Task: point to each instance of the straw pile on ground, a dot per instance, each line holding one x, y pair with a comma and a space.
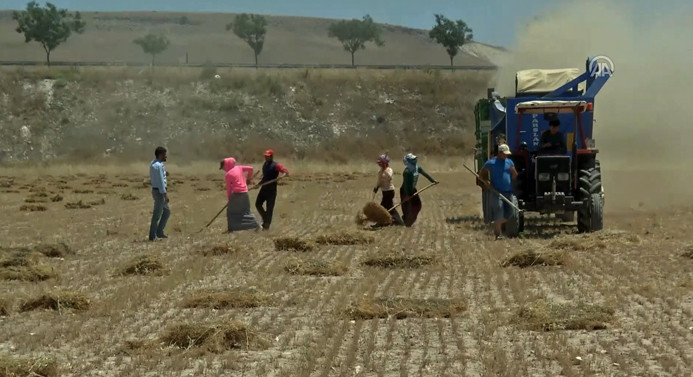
57, 301
214, 338
376, 213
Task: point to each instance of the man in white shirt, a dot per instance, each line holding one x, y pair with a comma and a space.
161, 212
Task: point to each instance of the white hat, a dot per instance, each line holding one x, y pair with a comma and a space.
504, 148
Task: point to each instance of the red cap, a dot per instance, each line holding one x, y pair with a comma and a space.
269, 152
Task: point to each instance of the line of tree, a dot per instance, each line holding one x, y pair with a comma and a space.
51, 26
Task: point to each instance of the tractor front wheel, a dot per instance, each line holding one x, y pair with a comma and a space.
590, 214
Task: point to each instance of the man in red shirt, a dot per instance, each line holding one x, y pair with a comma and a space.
271, 170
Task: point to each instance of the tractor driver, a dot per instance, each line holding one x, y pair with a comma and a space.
552, 141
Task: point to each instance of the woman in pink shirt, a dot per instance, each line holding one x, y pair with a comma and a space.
237, 178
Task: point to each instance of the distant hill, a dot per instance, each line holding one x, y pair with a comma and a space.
290, 40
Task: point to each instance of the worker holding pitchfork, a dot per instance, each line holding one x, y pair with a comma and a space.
502, 172
271, 172
388, 189
411, 203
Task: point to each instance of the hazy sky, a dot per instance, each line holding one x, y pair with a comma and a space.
493, 21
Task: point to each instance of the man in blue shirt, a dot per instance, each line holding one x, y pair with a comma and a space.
502, 176
161, 213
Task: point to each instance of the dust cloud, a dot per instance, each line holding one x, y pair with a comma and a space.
643, 114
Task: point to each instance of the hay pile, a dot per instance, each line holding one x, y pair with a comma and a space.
398, 259
376, 213
544, 316
401, 308
232, 298
143, 265
315, 267
345, 238
32, 208
57, 301
215, 338
77, 205
24, 267
13, 366
98, 202
57, 250
293, 243
529, 258
32, 199
597, 241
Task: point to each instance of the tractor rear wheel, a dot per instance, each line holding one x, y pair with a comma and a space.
590, 214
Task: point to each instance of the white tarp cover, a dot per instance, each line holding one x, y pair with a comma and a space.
541, 107
546, 80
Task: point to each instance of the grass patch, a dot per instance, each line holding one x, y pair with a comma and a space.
78, 191
529, 258
219, 249
401, 308
77, 205
227, 299
33, 208
24, 267
13, 366
214, 338
293, 244
315, 267
345, 238
397, 259
58, 301
5, 307
143, 265
56, 198
128, 196
544, 316
134, 347
688, 252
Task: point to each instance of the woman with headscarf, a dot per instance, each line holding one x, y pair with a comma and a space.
388, 189
237, 178
411, 205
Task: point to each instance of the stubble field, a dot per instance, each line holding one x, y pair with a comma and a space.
83, 294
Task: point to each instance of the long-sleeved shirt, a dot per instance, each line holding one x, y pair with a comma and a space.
385, 179
157, 175
410, 180
236, 178
556, 140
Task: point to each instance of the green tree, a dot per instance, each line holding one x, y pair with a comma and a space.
451, 34
49, 26
353, 34
252, 29
152, 44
